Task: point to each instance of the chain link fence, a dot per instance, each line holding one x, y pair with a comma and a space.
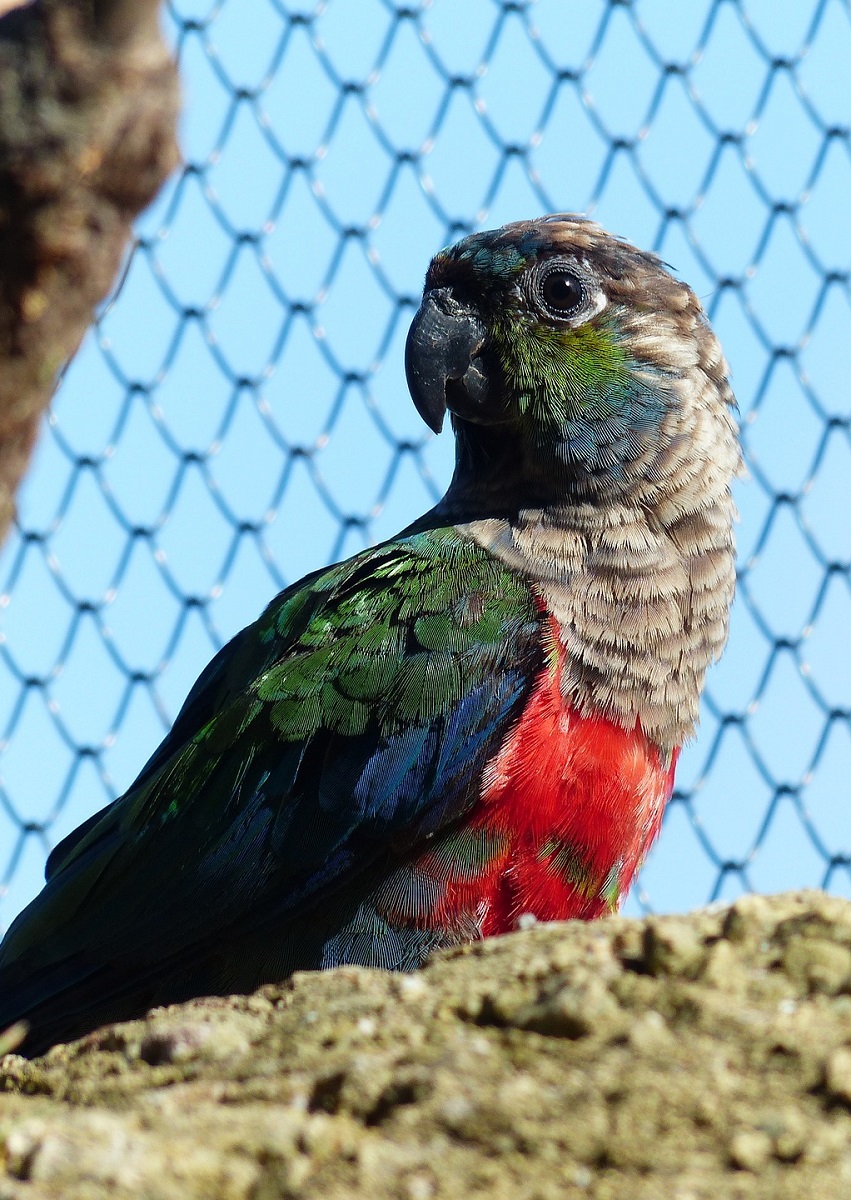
239, 416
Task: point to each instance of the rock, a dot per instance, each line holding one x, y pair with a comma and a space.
696, 1057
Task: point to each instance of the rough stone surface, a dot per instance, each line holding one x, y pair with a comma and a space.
704, 1056
88, 104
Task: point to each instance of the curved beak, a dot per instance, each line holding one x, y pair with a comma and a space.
443, 343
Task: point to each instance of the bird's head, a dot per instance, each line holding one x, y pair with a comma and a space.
574, 365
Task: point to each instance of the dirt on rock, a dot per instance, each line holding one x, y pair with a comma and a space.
689, 1057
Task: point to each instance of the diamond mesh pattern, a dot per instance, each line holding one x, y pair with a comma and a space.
239, 415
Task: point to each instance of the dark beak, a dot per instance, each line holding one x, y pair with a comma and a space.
442, 350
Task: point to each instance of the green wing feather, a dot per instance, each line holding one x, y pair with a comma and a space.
320, 747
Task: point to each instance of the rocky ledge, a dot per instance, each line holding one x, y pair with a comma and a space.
706, 1055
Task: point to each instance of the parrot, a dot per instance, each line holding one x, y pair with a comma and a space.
469, 726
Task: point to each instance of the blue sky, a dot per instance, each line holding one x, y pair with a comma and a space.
239, 416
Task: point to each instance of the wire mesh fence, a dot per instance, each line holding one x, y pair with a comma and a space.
238, 416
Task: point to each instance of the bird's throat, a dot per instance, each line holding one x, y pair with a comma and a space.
638, 612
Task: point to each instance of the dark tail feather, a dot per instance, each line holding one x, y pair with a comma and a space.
59, 1005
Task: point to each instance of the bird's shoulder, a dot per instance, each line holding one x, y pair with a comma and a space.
361, 642
374, 648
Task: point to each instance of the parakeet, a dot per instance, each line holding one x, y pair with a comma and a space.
476, 720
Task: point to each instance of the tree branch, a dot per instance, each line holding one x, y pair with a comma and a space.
88, 105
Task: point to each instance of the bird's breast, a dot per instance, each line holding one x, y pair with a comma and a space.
568, 808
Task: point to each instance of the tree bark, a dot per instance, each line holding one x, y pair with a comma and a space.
88, 107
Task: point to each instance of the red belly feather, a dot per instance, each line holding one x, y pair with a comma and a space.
578, 801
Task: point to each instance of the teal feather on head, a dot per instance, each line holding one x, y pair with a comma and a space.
562, 335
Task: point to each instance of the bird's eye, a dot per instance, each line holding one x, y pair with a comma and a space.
562, 292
